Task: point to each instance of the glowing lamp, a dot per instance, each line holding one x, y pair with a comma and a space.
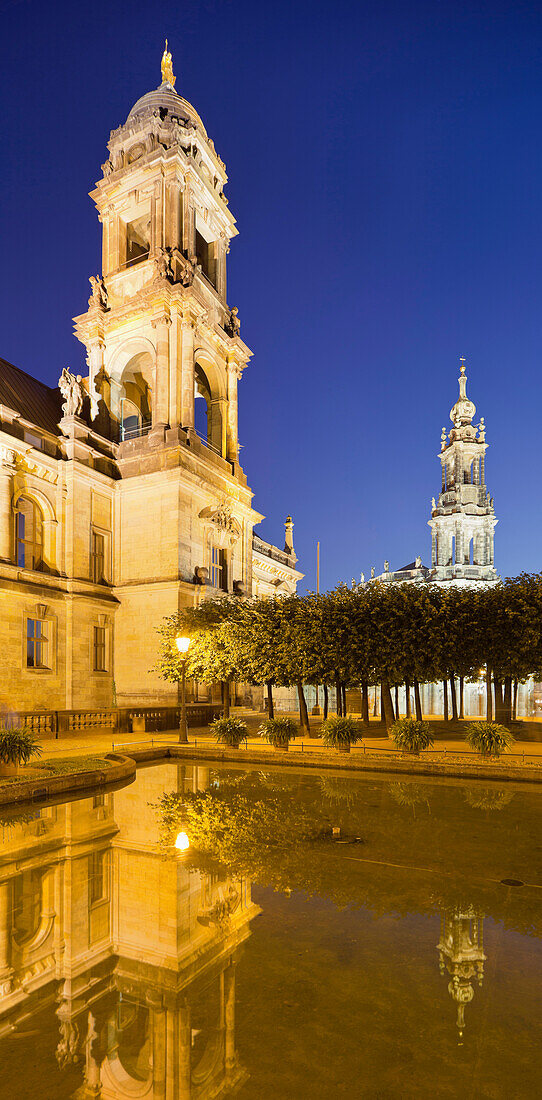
182, 842
182, 644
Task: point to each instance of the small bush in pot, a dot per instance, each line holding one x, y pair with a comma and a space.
490, 739
229, 731
279, 732
411, 735
17, 746
341, 733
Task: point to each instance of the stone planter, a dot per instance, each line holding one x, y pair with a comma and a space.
8, 770
344, 748
281, 747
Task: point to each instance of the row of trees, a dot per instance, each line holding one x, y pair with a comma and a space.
381, 633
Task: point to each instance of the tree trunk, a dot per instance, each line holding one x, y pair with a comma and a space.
499, 704
445, 691
489, 699
375, 704
418, 701
365, 702
461, 697
339, 698
387, 705
226, 697
407, 698
397, 700
507, 700
515, 702
270, 707
303, 712
453, 697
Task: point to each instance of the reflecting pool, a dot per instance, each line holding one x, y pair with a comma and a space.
319, 937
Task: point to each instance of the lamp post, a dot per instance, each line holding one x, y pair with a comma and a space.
182, 645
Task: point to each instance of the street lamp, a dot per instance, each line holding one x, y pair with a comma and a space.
182, 645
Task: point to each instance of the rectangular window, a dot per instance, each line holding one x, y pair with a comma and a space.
98, 867
205, 255
219, 568
98, 558
99, 662
37, 644
34, 440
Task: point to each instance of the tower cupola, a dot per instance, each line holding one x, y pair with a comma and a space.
463, 518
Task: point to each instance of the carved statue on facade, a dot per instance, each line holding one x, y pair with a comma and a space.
163, 264
433, 504
188, 270
66, 1052
233, 324
418, 562
372, 572
99, 296
70, 386
167, 68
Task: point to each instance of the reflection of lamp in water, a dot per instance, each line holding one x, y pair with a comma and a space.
182, 645
182, 842
461, 952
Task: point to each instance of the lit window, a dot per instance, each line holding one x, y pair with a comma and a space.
98, 558
219, 568
28, 535
37, 644
99, 649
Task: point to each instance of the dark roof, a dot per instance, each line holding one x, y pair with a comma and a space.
409, 568
35, 401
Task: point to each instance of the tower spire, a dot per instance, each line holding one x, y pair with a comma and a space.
167, 68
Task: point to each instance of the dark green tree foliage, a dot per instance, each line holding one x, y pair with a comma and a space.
379, 633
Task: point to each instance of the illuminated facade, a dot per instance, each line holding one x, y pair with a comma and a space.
122, 498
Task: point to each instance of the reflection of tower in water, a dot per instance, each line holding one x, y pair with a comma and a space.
461, 953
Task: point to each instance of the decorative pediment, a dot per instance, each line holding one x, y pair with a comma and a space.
220, 518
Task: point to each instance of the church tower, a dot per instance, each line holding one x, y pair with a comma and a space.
158, 331
463, 518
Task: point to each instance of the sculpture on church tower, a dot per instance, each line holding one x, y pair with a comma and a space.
463, 518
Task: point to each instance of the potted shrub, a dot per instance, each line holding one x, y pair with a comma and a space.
340, 733
17, 746
411, 735
490, 739
229, 731
279, 732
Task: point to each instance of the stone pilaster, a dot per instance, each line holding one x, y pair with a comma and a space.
7, 470
160, 396
232, 442
187, 374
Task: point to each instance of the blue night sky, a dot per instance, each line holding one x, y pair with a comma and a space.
385, 170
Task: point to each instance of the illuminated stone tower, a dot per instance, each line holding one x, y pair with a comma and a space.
463, 518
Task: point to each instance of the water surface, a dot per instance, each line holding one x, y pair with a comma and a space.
390, 961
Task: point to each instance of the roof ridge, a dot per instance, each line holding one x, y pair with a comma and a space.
6, 363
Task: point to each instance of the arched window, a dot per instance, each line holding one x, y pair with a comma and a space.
131, 420
28, 534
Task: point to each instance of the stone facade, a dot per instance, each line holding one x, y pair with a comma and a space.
126, 501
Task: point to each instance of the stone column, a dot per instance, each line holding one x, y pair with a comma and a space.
187, 374
7, 470
433, 547
160, 397
483, 470
159, 1053
185, 1051
232, 442
5, 931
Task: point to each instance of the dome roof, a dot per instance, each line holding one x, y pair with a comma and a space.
165, 98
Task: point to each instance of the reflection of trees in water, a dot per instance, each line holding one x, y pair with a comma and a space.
418, 853
488, 798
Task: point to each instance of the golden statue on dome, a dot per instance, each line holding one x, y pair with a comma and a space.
167, 68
